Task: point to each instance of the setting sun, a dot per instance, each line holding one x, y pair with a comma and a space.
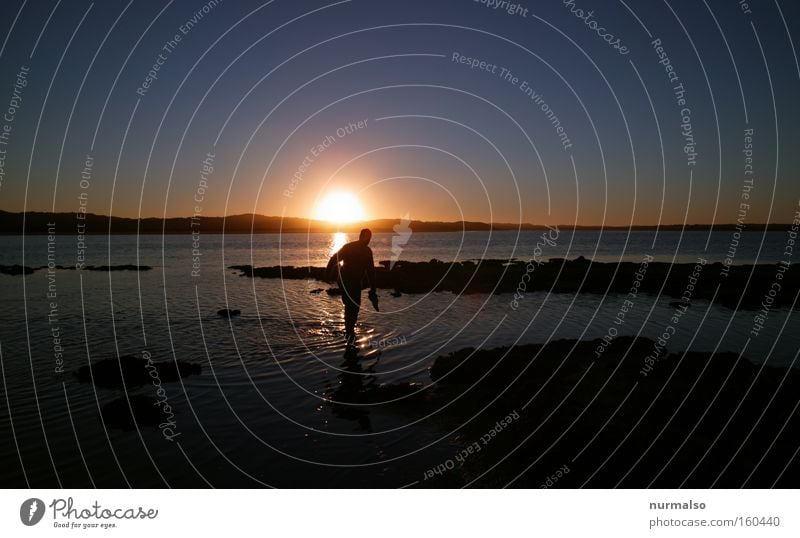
340, 207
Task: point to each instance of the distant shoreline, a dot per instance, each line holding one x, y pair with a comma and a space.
39, 223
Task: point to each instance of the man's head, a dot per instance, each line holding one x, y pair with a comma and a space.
365, 236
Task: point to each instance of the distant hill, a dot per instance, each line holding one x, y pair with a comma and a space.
37, 223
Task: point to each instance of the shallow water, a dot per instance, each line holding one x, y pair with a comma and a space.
261, 411
174, 252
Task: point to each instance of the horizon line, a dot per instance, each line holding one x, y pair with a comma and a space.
329, 224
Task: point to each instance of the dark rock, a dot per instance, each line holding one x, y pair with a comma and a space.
619, 420
24, 270
227, 313
109, 373
16, 270
744, 287
117, 414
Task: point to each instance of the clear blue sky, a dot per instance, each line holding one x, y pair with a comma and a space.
260, 84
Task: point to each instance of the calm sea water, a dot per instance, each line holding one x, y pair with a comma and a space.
260, 414
173, 252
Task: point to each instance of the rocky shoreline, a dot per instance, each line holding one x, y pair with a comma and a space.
695, 420
739, 286
14, 270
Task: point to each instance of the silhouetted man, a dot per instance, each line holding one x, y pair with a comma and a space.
350, 266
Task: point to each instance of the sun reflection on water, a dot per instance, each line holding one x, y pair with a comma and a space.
338, 240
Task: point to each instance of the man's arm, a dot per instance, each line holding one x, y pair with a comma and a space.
333, 265
371, 272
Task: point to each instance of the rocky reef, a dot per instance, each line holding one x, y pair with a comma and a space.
741, 286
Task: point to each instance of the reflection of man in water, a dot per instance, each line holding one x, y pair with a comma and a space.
350, 265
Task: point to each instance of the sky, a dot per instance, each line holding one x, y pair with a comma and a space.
635, 113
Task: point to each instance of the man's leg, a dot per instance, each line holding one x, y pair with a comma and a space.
350, 318
351, 297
